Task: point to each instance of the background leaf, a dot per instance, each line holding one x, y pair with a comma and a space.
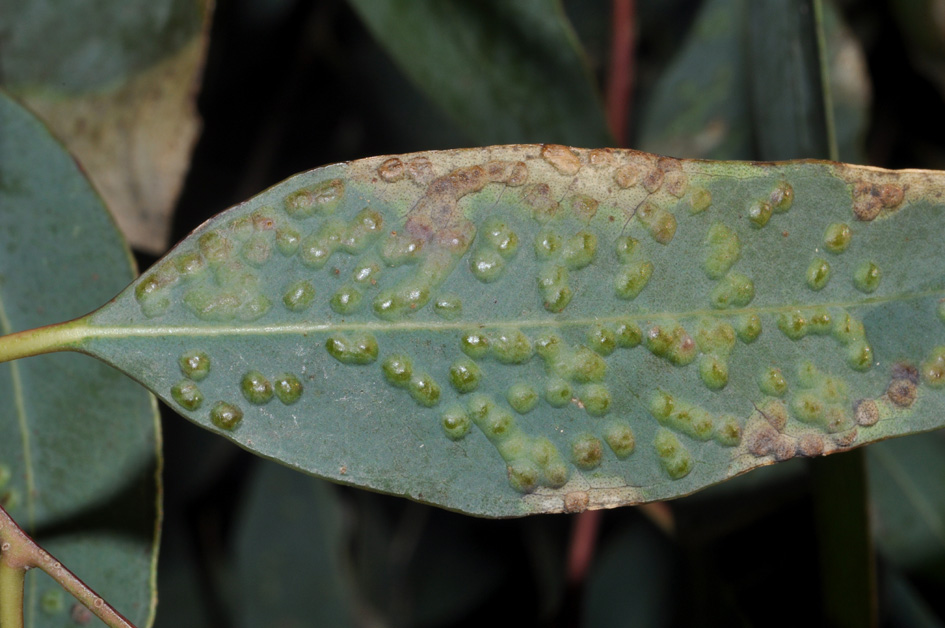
116, 81
79, 441
523, 74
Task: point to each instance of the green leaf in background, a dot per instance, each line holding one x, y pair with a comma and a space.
79, 442
526, 329
707, 103
522, 73
116, 81
290, 547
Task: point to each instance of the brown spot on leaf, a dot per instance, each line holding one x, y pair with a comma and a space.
538, 197
676, 183
600, 157
576, 501
891, 194
420, 169
628, 176
513, 173
653, 180
561, 158
391, 170
902, 392
846, 439
866, 412
810, 445
784, 448
583, 206
762, 440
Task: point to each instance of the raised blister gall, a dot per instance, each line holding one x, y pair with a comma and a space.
298, 295
486, 264
524, 475
287, 388
256, 388
287, 241
661, 405
511, 347
728, 432
194, 365
759, 213
596, 399
632, 278
465, 375
733, 290
448, 307
602, 339
674, 458
547, 244
699, 200
397, 369
226, 416
587, 452
713, 371
818, 274
475, 344
319, 198
628, 334
933, 369
346, 300
424, 390
619, 437
793, 324
455, 422
578, 251
860, 355
837, 237
357, 349
558, 392
781, 197
522, 397
362, 230
772, 382
187, 394
866, 277
722, 251
256, 250
748, 327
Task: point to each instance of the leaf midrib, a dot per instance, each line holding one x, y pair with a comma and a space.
121, 331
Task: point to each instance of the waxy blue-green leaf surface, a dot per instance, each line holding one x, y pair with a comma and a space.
525, 329
78, 440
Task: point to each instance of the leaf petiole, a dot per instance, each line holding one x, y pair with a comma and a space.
59, 337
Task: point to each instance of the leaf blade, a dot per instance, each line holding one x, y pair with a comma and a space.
378, 379
53, 266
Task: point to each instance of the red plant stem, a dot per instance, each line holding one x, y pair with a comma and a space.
581, 548
19, 551
621, 73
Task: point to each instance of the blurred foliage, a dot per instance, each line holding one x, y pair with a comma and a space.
290, 85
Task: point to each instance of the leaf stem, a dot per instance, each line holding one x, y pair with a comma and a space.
18, 552
58, 337
11, 593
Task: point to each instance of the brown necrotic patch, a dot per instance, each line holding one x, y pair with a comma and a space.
902, 390
561, 158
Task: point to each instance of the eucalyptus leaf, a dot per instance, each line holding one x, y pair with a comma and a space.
116, 81
79, 442
505, 71
523, 329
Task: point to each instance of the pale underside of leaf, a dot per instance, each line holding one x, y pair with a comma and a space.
535, 328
